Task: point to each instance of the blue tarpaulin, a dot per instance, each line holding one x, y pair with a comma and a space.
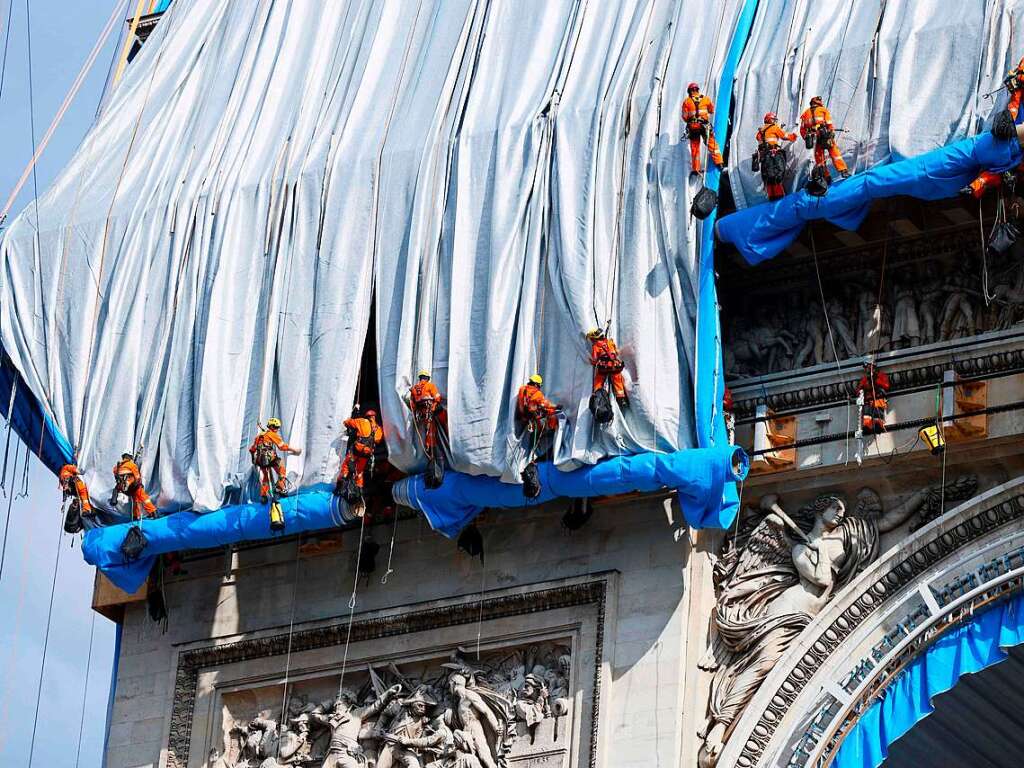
765, 230
699, 475
908, 699
29, 421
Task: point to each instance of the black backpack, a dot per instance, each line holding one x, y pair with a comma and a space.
1003, 126
471, 542
73, 518
434, 475
819, 182
577, 515
773, 168
531, 481
134, 544
601, 406
1004, 235
704, 202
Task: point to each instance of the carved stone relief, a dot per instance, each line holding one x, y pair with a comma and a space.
449, 712
778, 573
784, 328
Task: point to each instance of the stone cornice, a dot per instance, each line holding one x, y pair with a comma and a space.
191, 662
864, 598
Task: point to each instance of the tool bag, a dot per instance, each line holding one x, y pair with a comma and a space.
1003, 237
809, 140
704, 203
434, 475
819, 181
755, 161
73, 517
134, 544
531, 481
349, 490
825, 136
601, 406
1003, 126
774, 166
471, 542
578, 514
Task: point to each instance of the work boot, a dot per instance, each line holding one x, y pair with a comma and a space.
844, 173
281, 487
623, 402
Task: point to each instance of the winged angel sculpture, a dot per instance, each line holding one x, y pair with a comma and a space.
776, 576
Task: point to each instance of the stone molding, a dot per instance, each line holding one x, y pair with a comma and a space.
838, 392
468, 611
866, 596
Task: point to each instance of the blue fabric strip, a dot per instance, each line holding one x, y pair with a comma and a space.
699, 475
29, 421
763, 231
908, 699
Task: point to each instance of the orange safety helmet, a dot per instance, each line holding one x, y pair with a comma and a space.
816, 101
770, 117
68, 471
692, 87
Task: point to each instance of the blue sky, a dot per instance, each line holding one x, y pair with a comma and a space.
63, 33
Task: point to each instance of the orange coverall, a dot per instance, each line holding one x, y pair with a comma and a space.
368, 435
1015, 84
74, 488
769, 138
128, 481
425, 399
810, 121
273, 439
875, 390
697, 116
604, 356
535, 409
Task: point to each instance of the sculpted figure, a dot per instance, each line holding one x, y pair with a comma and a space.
531, 704
409, 737
812, 351
958, 311
484, 717
773, 582
345, 722
841, 332
906, 325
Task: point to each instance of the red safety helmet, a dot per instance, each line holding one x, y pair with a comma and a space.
770, 117
371, 414
816, 101
692, 87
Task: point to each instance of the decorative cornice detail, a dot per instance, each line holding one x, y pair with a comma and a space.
192, 662
872, 598
910, 378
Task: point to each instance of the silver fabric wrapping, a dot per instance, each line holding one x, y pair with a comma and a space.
502, 175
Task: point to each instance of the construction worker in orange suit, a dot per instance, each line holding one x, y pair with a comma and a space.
874, 385
265, 457
128, 480
697, 113
74, 488
537, 412
816, 121
1014, 82
608, 365
427, 406
364, 435
769, 143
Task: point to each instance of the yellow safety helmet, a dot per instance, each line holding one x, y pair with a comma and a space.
274, 423
595, 333
423, 373
536, 379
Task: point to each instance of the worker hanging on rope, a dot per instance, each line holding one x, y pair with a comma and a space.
128, 480
819, 133
770, 157
608, 367
430, 417
1002, 127
77, 495
539, 418
696, 113
872, 393
364, 435
267, 460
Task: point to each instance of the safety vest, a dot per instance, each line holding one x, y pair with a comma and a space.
698, 112
532, 403
424, 394
604, 355
367, 436
264, 448
773, 135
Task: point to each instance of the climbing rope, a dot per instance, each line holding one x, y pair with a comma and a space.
46, 644
821, 293
480, 616
352, 601
782, 74
7, 519
7, 444
85, 690
291, 634
7, 41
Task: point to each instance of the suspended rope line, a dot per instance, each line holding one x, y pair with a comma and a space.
46, 644
129, 40
31, 122
7, 41
821, 293
878, 300
37, 152
842, 48
352, 601
7, 444
85, 690
391, 551
782, 75
480, 616
7, 519
291, 634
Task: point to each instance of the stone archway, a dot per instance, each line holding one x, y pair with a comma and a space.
972, 553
